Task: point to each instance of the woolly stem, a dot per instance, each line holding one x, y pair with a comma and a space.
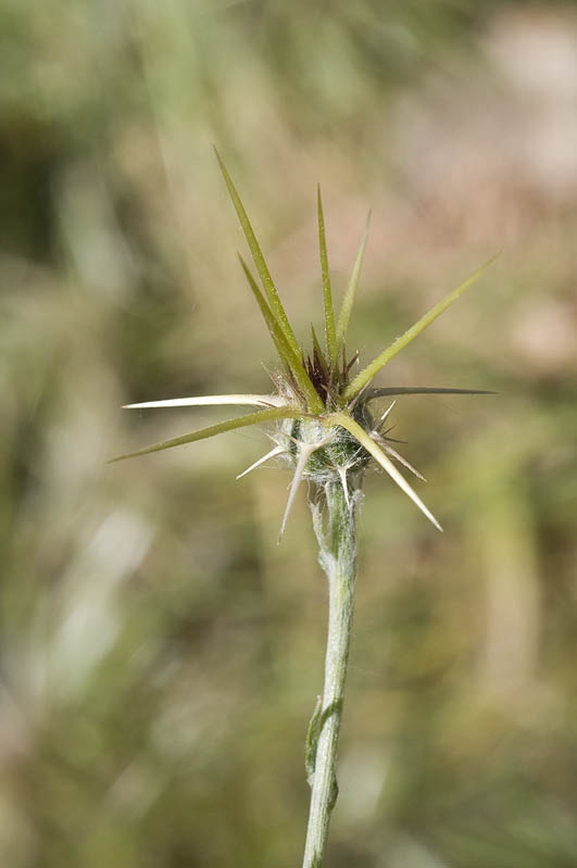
334, 524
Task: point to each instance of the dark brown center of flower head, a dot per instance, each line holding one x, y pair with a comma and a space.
329, 381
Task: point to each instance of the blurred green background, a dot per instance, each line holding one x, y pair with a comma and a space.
160, 654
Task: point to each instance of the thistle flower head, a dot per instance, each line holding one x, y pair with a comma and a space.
326, 427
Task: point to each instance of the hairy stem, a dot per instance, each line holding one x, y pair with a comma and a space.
334, 524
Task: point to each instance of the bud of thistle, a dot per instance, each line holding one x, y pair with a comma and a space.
326, 426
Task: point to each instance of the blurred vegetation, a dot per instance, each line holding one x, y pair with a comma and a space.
160, 655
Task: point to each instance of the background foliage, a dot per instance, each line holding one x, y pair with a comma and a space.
160, 655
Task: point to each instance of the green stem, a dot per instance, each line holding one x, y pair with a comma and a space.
338, 553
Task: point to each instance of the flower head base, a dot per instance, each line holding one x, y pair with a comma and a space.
325, 424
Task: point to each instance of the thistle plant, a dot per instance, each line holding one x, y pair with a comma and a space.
328, 428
